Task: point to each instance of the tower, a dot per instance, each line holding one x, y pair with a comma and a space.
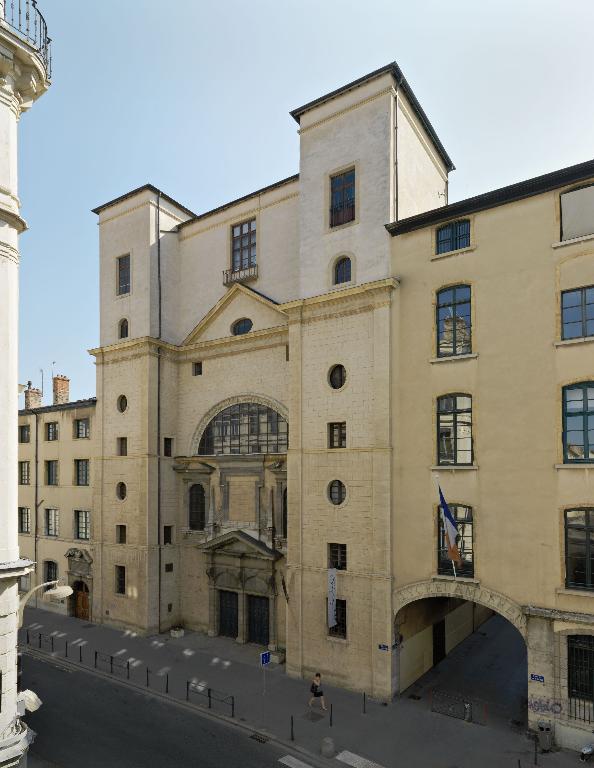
25, 71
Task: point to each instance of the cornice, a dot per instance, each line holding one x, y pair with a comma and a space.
385, 91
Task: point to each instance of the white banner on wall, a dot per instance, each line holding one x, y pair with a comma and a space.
331, 597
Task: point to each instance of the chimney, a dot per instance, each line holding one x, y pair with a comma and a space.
61, 389
32, 397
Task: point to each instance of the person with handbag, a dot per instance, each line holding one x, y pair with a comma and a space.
317, 692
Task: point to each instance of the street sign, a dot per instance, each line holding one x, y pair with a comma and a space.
537, 678
264, 658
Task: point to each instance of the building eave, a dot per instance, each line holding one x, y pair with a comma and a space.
138, 190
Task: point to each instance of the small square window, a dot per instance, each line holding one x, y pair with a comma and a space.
340, 628
120, 534
197, 368
337, 556
337, 434
168, 446
167, 534
169, 567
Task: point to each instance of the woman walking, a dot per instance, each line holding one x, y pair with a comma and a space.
317, 692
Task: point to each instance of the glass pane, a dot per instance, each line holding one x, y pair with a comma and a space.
464, 402
590, 396
572, 314
574, 399
576, 557
571, 299
572, 330
590, 295
590, 328
576, 516
445, 297
463, 293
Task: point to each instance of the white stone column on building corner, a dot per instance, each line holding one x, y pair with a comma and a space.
24, 76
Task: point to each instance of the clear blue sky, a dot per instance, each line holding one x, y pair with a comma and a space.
194, 97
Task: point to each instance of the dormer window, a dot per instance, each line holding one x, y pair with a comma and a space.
342, 198
453, 236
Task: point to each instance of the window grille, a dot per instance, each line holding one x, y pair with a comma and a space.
24, 520
51, 430
51, 472
580, 667
342, 271
24, 433
337, 492
120, 579
81, 428
52, 522
24, 473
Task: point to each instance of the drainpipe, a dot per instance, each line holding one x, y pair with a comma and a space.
37, 502
159, 305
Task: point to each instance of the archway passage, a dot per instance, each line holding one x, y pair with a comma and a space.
459, 656
80, 600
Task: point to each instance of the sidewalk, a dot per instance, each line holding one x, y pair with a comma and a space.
404, 733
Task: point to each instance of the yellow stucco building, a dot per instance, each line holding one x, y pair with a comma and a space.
280, 381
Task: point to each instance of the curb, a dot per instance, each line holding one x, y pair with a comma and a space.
290, 746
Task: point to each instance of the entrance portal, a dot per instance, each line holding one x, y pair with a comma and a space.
80, 599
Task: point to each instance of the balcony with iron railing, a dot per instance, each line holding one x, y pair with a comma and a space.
240, 275
24, 18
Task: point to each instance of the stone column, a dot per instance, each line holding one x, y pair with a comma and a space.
23, 78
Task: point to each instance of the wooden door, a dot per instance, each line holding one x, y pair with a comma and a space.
228, 613
258, 618
81, 604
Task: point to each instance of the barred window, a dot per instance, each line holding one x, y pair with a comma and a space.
82, 527
454, 429
52, 522
342, 198
24, 473
243, 429
453, 236
197, 511
337, 434
580, 667
24, 520
51, 472
81, 471
579, 548
51, 430
577, 309
337, 556
120, 579
243, 245
463, 517
453, 321
24, 433
81, 428
578, 423
123, 266
340, 628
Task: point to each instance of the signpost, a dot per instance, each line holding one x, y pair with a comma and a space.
264, 662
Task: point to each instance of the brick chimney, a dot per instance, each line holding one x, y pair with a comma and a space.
32, 397
61, 389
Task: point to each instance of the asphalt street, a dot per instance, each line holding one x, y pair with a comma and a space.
90, 722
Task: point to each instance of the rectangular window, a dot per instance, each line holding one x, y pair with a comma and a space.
580, 669
123, 275
340, 628
52, 522
122, 446
24, 520
454, 429
24, 433
51, 430
453, 236
463, 517
24, 474
120, 580
576, 212
51, 472
81, 428
579, 548
82, 524
337, 434
342, 198
167, 446
577, 310
197, 368
578, 423
453, 321
167, 534
169, 567
243, 245
50, 572
337, 556
81, 472
120, 534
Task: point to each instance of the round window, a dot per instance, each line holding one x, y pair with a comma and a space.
244, 325
337, 492
122, 403
121, 491
337, 376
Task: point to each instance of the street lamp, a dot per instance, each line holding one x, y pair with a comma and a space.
58, 590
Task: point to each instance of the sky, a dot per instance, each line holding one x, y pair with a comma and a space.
194, 96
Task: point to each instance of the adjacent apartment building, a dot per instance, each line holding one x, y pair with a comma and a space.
57, 452
281, 379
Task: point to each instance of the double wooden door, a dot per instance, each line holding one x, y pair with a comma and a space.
228, 613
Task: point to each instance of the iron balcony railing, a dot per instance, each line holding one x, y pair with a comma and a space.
25, 18
240, 275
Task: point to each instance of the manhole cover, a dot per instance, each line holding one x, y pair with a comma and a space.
259, 737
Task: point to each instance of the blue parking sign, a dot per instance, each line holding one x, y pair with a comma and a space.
264, 658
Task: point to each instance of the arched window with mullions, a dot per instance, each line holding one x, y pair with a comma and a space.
578, 423
197, 508
342, 271
245, 428
453, 321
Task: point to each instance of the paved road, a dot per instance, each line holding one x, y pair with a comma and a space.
86, 721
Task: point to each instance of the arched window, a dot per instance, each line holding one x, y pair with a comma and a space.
453, 321
242, 326
245, 428
123, 329
453, 236
342, 271
285, 516
454, 429
197, 510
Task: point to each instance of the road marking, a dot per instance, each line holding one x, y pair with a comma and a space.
292, 762
356, 760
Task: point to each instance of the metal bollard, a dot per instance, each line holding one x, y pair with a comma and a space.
167, 683
330, 715
65, 649
111, 665
364, 702
147, 677
232, 706
292, 730
209, 698
128, 670
95, 663
80, 653
187, 690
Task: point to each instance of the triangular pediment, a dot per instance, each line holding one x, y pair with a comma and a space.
239, 544
239, 302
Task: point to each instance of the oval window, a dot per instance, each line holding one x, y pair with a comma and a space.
242, 326
121, 491
337, 492
337, 376
122, 403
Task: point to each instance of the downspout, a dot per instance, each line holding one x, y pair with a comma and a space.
36, 532
159, 306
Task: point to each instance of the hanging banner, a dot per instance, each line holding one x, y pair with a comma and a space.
331, 597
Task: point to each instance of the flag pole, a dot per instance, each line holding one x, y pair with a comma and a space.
445, 530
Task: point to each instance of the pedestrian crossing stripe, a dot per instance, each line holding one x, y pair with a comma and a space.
292, 762
356, 760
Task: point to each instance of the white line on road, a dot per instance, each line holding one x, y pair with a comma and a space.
356, 760
292, 762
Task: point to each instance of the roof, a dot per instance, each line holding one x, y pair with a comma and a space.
237, 200
87, 403
143, 188
396, 73
501, 196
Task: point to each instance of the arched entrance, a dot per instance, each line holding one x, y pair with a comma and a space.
456, 641
80, 600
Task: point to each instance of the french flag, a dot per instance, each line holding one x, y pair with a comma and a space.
451, 530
